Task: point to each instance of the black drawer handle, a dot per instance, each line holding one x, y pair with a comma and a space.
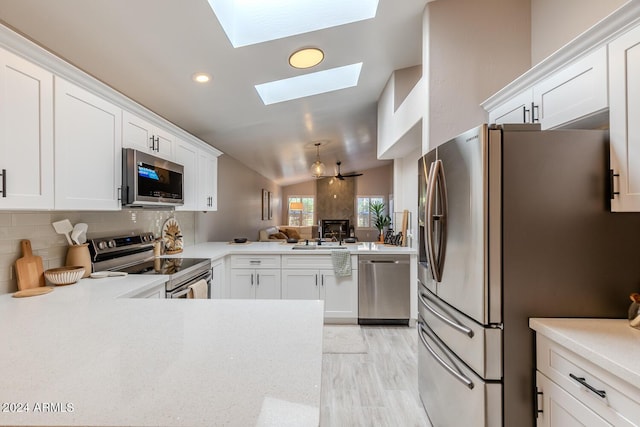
582, 380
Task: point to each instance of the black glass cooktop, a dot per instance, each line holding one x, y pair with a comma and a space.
163, 265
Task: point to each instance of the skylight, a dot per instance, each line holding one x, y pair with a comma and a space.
255, 21
309, 84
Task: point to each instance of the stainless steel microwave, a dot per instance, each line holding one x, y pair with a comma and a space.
149, 181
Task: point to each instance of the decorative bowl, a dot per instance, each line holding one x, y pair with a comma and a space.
64, 275
239, 240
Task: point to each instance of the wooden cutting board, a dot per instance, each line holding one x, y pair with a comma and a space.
29, 269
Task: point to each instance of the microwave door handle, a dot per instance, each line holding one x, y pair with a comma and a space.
429, 229
463, 379
442, 218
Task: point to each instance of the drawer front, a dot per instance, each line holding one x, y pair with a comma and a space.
255, 261
313, 261
478, 347
452, 394
610, 397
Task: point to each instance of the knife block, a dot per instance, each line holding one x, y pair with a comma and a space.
79, 255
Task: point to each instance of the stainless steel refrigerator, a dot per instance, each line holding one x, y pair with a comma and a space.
514, 223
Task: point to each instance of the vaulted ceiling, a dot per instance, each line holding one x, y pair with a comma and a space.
150, 49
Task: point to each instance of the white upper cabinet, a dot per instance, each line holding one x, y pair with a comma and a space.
143, 136
200, 177
208, 182
26, 134
188, 156
624, 117
573, 93
88, 150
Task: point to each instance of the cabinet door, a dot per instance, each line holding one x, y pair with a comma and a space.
560, 409
515, 110
217, 280
300, 284
88, 151
143, 136
340, 294
624, 130
242, 284
208, 182
26, 134
267, 284
188, 156
575, 92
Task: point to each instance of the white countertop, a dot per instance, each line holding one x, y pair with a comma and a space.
609, 343
147, 362
214, 250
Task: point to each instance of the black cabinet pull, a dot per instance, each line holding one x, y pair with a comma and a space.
583, 381
4, 183
612, 176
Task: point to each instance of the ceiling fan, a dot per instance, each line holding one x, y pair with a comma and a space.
347, 175
318, 168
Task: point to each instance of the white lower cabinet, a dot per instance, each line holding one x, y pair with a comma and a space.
217, 279
312, 277
560, 409
573, 391
247, 283
254, 277
157, 292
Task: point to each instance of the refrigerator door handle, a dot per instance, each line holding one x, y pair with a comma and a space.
463, 379
461, 328
435, 220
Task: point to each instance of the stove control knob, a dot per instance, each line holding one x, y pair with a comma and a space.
102, 244
111, 243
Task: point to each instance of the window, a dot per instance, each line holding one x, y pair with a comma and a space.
300, 210
364, 216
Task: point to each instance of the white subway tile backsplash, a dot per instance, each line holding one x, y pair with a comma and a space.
52, 247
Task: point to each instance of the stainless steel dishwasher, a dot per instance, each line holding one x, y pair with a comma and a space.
383, 289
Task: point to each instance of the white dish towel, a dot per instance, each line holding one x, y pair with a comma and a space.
341, 263
198, 290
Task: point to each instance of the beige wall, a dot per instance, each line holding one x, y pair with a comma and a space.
239, 211
471, 49
373, 182
556, 22
52, 247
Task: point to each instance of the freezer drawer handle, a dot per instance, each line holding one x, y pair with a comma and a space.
583, 381
466, 381
461, 328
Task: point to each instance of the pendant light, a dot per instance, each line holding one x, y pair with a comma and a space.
317, 168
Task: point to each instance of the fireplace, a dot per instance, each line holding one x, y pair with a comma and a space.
335, 228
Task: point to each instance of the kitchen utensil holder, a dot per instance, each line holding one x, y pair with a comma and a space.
79, 255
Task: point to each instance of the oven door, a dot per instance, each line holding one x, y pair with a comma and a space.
452, 394
182, 290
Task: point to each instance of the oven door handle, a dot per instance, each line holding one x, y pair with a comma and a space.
181, 293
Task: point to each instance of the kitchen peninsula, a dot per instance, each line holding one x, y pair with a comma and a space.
86, 354
278, 270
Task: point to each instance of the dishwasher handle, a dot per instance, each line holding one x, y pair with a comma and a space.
383, 261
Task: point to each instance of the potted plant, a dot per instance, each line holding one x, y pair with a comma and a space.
380, 219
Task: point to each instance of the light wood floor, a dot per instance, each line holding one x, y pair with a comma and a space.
374, 389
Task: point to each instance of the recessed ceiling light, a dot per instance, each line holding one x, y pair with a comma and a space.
306, 58
201, 77
309, 84
249, 22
